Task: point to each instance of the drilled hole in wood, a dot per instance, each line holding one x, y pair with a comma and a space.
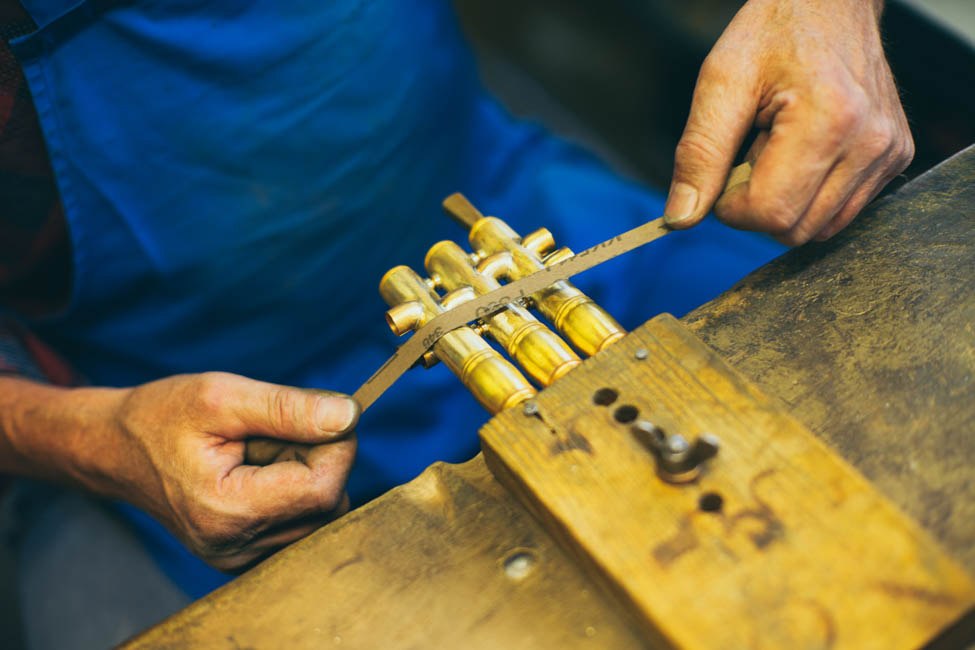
519, 564
626, 413
605, 396
711, 502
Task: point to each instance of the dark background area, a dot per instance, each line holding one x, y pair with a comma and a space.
617, 75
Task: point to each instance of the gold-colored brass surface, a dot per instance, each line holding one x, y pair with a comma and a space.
587, 326
539, 351
493, 381
498, 252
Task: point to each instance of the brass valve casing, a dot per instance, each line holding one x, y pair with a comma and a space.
493, 381
587, 325
499, 253
539, 351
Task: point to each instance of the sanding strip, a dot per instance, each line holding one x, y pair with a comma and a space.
482, 306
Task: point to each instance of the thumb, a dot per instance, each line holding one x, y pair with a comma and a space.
296, 414
722, 112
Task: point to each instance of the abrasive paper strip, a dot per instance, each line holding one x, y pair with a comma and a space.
408, 353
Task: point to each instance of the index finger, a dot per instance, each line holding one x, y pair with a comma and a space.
787, 174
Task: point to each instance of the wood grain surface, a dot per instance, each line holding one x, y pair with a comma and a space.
446, 561
796, 549
896, 398
869, 339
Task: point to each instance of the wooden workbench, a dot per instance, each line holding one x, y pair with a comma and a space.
868, 339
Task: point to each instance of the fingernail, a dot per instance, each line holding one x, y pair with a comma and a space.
680, 204
337, 414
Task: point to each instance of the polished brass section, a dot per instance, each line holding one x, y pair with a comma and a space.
587, 326
429, 359
497, 265
494, 382
539, 351
402, 318
539, 242
557, 256
456, 295
498, 253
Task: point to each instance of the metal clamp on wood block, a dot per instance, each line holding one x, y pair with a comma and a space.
779, 544
677, 461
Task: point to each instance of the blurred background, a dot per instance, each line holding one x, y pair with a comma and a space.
617, 76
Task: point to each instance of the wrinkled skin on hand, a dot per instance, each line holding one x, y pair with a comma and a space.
812, 74
184, 444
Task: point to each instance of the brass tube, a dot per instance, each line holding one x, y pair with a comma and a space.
493, 381
539, 351
587, 326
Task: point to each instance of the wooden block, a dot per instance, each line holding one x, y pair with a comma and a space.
448, 560
803, 552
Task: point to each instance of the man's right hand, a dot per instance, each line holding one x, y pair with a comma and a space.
175, 448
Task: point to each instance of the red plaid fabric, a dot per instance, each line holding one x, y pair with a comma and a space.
35, 251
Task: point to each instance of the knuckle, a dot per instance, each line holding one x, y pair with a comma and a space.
212, 392
330, 501
774, 213
712, 66
695, 150
907, 152
334, 498
880, 139
330, 492
840, 114
215, 529
283, 407
847, 109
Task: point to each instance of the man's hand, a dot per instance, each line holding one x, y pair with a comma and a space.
813, 74
187, 433
175, 448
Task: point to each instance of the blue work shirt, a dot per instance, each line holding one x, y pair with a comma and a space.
237, 176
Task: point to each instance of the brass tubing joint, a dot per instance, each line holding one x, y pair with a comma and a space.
493, 381
540, 352
587, 326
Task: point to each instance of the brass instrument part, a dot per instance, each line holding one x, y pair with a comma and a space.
493, 381
587, 326
498, 252
461, 210
540, 353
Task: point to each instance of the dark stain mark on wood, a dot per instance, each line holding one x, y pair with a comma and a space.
763, 513
355, 559
684, 541
573, 441
236, 644
829, 623
485, 617
914, 592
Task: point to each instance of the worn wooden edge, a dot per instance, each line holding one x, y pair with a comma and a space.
424, 565
964, 612
655, 637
